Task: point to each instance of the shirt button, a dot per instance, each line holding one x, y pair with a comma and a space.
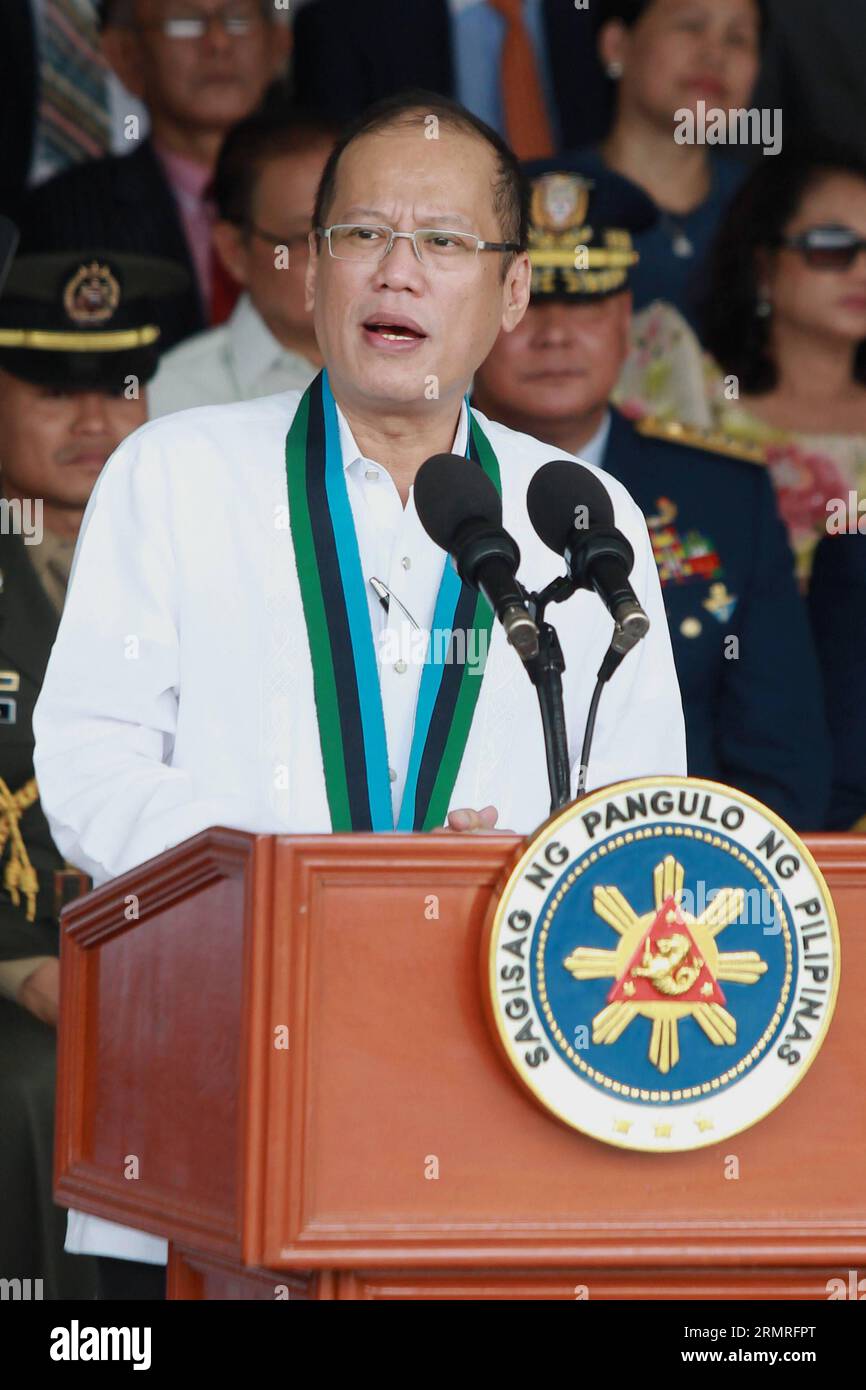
399, 667
371, 475
392, 774
406, 562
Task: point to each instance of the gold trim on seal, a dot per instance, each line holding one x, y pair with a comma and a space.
575, 808
592, 856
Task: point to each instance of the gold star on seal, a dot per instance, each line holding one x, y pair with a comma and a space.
667, 965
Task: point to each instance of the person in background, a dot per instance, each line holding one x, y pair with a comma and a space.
785, 320
65, 406
200, 66
529, 68
746, 664
265, 189
55, 92
837, 606
666, 56
784, 325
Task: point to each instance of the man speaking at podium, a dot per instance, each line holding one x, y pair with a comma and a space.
224, 657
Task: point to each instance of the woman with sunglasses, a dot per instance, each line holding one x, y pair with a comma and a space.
785, 320
785, 327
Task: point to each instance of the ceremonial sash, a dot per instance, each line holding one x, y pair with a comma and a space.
345, 672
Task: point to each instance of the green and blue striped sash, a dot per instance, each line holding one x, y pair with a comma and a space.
345, 671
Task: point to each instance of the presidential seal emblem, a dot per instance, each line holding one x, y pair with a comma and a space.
662, 966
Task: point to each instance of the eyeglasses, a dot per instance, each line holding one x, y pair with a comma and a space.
236, 21
827, 248
354, 241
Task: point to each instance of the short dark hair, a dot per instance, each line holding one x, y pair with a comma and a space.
733, 332
251, 144
628, 12
510, 194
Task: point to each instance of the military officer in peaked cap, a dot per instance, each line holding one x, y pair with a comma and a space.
744, 654
77, 345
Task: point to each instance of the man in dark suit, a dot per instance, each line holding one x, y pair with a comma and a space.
745, 659
347, 55
197, 76
837, 607
65, 405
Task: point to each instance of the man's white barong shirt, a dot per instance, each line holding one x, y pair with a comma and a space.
179, 692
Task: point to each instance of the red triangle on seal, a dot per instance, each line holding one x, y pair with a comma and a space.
666, 966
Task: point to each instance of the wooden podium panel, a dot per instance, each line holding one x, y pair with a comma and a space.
393, 1070
151, 1067
290, 1041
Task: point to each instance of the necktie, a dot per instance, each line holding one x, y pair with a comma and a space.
73, 115
526, 120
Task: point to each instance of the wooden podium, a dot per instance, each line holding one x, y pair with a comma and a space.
274, 1052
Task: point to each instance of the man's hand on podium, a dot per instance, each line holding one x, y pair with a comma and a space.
468, 821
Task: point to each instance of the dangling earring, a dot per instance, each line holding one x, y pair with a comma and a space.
763, 308
614, 69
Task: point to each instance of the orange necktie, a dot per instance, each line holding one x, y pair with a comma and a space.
526, 120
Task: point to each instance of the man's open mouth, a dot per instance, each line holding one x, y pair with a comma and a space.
394, 332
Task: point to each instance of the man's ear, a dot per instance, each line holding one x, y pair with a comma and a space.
229, 246
310, 273
613, 45
517, 286
121, 50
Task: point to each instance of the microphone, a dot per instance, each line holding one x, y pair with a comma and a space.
572, 512
461, 511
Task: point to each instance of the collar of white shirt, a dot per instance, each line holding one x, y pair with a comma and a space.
253, 347
352, 454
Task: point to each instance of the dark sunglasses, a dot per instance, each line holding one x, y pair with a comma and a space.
827, 248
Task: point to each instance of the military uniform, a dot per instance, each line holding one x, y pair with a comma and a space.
746, 664
35, 884
73, 322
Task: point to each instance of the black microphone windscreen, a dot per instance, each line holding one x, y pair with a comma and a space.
556, 492
451, 490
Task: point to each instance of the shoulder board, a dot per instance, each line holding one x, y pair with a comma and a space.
713, 441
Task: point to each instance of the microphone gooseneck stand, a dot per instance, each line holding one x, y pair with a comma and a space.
545, 671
